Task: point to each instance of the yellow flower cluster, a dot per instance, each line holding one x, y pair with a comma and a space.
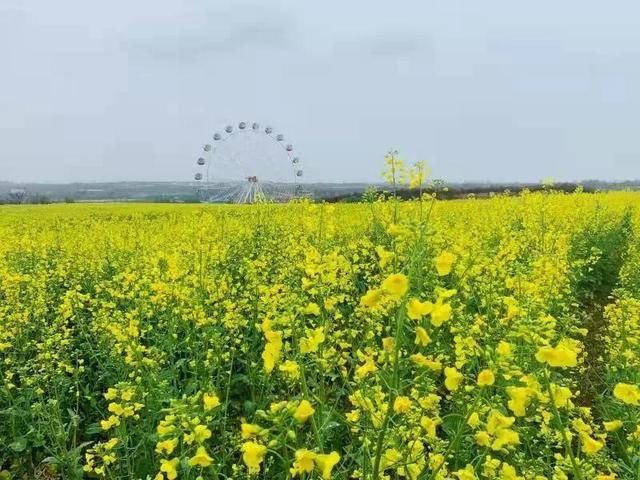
100, 457
184, 432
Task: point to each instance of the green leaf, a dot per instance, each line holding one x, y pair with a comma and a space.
19, 445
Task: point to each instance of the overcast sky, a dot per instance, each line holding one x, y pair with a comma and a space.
483, 90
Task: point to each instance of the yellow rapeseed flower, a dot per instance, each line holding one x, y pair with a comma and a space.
486, 378
474, 420
444, 262
561, 396
201, 458
111, 394
369, 366
291, 369
562, 356
505, 438
303, 411
110, 422
466, 473
519, 400
210, 401
249, 430
326, 463
312, 341
199, 434
429, 426
483, 438
167, 446
170, 468
422, 337
304, 462
590, 446
441, 313
417, 309
627, 393
371, 298
312, 309
613, 425
402, 404
272, 350
252, 455
453, 378
396, 285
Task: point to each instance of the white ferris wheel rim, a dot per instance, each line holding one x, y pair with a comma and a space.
250, 182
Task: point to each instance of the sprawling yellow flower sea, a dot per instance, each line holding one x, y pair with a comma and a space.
492, 338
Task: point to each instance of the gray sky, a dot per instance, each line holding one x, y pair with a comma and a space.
483, 90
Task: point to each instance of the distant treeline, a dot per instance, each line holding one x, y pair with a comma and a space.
21, 198
186, 193
458, 192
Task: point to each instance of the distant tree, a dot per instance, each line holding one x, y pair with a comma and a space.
17, 195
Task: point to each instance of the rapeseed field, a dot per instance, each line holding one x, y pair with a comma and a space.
476, 339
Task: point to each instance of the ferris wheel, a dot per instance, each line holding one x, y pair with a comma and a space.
248, 163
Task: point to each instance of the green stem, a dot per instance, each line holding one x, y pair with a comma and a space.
565, 439
314, 425
395, 381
